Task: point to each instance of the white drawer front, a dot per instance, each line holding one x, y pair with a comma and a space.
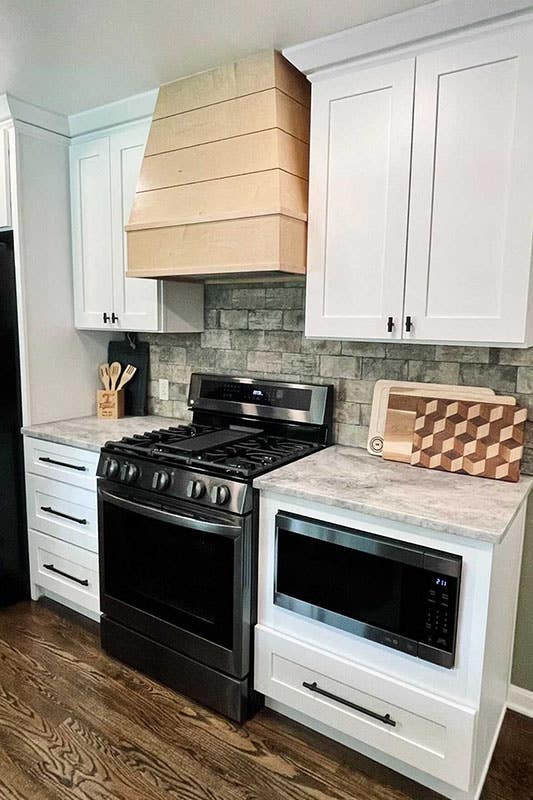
61, 463
66, 512
431, 733
68, 571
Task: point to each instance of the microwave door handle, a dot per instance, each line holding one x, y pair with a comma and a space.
174, 519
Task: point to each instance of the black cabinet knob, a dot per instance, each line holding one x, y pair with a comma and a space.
390, 324
114, 317
106, 318
408, 324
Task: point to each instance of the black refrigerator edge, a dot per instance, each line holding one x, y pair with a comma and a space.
14, 570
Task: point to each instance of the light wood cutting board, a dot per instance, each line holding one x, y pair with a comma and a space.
401, 418
380, 402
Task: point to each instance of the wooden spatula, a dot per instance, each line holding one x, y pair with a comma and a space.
114, 373
104, 376
127, 375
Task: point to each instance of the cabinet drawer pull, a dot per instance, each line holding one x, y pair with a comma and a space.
65, 574
62, 464
50, 510
386, 718
390, 325
409, 324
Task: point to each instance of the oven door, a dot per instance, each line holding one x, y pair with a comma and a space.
178, 575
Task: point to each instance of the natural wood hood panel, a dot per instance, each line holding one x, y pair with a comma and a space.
239, 155
261, 71
269, 243
256, 194
223, 186
255, 112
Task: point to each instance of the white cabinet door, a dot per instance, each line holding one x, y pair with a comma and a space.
91, 233
471, 210
358, 202
5, 193
136, 300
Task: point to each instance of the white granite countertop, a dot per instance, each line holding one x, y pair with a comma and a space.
91, 433
350, 478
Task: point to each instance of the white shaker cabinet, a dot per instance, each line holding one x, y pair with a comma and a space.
5, 194
104, 171
421, 195
358, 202
471, 211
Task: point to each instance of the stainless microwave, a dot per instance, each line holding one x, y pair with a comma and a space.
394, 593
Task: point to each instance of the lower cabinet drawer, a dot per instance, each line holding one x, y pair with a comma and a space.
66, 512
64, 569
61, 462
428, 732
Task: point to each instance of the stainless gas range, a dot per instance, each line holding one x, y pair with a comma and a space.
178, 533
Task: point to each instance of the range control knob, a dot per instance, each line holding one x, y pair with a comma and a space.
220, 495
132, 473
195, 489
160, 481
111, 468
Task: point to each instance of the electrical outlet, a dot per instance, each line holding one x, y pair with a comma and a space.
163, 389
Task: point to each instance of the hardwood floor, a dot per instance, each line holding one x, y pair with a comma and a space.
74, 723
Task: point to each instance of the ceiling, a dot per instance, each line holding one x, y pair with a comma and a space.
70, 55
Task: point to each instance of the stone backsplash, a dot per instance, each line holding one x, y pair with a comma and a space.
257, 330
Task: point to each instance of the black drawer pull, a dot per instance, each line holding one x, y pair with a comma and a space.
386, 718
50, 510
62, 464
65, 574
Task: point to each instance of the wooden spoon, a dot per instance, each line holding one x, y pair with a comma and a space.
127, 375
114, 373
104, 376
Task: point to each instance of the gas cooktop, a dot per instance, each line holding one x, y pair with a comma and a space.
236, 450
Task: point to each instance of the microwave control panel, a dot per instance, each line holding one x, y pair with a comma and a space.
439, 616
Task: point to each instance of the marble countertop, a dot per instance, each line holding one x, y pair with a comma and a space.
350, 478
91, 433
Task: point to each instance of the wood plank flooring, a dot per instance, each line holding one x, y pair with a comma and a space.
77, 725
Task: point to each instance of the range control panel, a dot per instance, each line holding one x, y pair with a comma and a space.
439, 616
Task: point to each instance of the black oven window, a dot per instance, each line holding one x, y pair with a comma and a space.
179, 575
357, 585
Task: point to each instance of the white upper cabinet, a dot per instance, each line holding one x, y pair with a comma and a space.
135, 300
471, 212
91, 233
424, 212
103, 173
5, 194
358, 202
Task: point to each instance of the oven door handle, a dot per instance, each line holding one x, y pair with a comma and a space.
174, 519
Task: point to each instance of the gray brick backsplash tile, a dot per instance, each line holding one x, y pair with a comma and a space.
375, 369
249, 297
413, 352
471, 355
216, 338
340, 366
284, 297
263, 361
234, 320
284, 341
434, 372
266, 319
230, 360
368, 349
248, 340
299, 364
327, 347
500, 378
257, 329
293, 320
524, 382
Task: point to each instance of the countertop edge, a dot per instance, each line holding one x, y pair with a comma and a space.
477, 534
68, 441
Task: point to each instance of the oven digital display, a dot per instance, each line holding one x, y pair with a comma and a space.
258, 394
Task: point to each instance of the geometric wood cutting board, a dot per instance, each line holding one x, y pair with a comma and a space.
483, 439
401, 417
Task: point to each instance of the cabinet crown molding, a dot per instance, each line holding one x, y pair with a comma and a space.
401, 30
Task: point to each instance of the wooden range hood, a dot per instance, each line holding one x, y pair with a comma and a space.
223, 184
